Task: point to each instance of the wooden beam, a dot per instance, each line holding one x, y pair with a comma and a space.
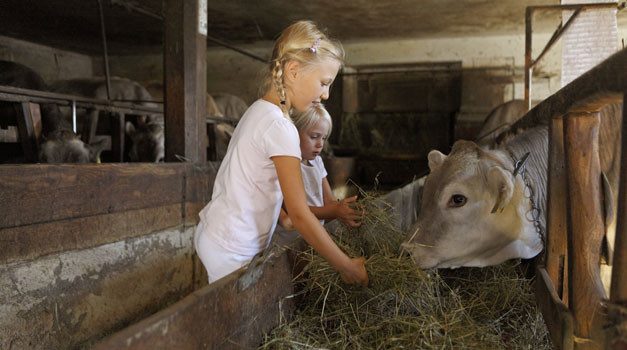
586, 227
220, 315
185, 79
29, 242
558, 319
33, 194
618, 289
556, 259
51, 208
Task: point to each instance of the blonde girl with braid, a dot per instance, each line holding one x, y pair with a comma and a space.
261, 168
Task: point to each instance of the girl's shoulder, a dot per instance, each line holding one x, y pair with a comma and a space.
263, 108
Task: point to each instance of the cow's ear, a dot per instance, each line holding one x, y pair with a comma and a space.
435, 159
502, 186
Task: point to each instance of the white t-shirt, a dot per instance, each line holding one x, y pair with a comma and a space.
246, 200
312, 178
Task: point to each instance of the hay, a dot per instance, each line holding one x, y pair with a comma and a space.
405, 307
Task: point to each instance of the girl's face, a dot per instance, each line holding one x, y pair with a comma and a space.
312, 140
310, 85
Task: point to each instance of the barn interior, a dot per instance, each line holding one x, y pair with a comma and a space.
90, 249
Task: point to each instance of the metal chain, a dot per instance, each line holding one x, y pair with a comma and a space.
535, 211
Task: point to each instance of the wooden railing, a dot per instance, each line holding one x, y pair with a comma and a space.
569, 288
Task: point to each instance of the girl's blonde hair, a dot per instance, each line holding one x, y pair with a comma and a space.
305, 120
304, 43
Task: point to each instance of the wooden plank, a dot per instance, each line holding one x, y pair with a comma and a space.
558, 319
618, 289
218, 316
185, 75
34, 194
555, 254
586, 227
32, 241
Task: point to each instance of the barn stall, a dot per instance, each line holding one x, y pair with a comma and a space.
79, 238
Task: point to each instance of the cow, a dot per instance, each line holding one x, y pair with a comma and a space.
18, 75
147, 141
476, 209
499, 121
58, 142
64, 146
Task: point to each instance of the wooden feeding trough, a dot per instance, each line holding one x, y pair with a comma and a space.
236, 311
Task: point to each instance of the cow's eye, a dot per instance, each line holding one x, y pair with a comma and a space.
456, 201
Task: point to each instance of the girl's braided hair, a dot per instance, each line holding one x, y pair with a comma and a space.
305, 43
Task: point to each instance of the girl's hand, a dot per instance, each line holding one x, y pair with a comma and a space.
346, 213
355, 272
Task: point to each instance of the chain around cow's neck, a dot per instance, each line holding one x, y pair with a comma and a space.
519, 169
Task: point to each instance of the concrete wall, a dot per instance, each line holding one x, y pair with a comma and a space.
492, 65
52, 64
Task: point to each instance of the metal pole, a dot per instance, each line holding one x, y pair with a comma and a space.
528, 68
104, 47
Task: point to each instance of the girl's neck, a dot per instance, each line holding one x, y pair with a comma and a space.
306, 162
272, 96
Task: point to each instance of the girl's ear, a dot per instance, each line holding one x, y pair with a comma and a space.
290, 70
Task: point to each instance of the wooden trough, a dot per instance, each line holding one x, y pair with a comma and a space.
223, 315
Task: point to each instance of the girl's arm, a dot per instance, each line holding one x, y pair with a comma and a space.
291, 181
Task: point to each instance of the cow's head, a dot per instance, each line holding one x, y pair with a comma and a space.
148, 143
472, 211
63, 146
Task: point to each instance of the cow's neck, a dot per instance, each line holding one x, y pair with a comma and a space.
532, 184
530, 189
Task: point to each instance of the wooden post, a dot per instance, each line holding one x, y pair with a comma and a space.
29, 129
185, 79
117, 136
556, 257
618, 290
90, 125
586, 227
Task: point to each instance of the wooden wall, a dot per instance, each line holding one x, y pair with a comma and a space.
88, 249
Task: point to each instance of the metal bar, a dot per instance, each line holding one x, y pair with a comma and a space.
587, 6
528, 49
229, 46
529, 63
557, 35
104, 49
603, 84
12, 94
74, 116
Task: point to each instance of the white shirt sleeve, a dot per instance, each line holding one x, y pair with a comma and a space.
281, 139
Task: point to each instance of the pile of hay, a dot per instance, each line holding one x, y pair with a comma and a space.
405, 307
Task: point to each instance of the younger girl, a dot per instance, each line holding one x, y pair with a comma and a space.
262, 165
314, 127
